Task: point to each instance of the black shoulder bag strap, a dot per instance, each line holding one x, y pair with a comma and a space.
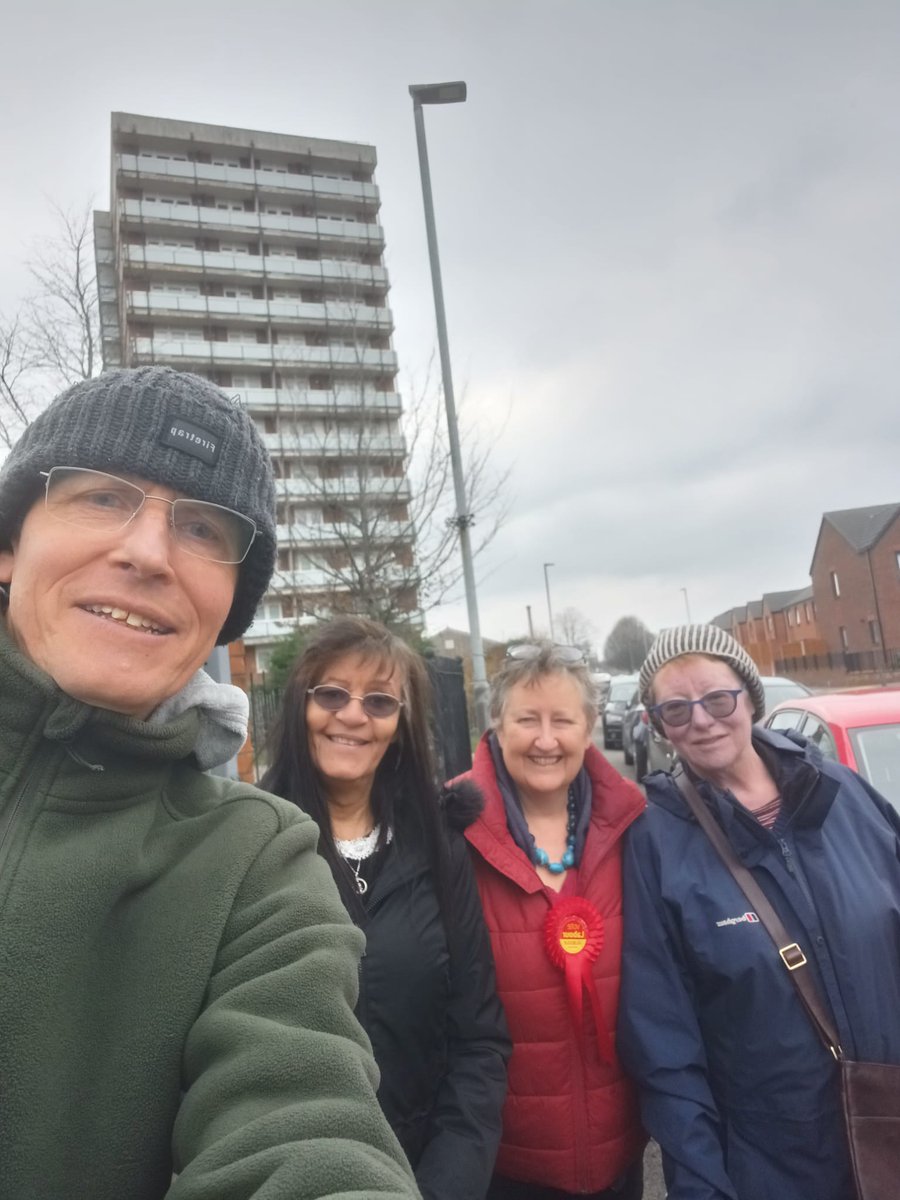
790, 953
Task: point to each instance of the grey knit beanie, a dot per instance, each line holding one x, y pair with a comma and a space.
170, 427
702, 639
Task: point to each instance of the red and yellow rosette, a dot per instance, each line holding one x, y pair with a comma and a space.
573, 936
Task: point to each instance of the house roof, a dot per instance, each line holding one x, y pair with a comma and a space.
779, 601
754, 608
862, 527
724, 620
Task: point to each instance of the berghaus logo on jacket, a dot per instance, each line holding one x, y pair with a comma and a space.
747, 918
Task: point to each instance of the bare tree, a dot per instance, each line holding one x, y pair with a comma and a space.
62, 318
15, 366
368, 495
383, 535
574, 628
54, 339
627, 645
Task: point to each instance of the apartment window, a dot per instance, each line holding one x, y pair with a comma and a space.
844, 640
897, 553
170, 243
835, 583
790, 617
874, 632
770, 625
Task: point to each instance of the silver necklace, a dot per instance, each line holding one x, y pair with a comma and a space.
360, 849
361, 886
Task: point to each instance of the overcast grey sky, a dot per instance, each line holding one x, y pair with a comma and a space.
669, 239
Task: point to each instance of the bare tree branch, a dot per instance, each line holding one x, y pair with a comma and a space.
62, 321
381, 540
15, 366
574, 628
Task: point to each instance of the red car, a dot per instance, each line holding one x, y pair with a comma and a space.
860, 728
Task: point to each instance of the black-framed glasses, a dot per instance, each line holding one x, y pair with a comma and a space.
720, 703
374, 704
525, 651
105, 503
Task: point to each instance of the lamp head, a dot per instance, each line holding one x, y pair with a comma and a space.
438, 93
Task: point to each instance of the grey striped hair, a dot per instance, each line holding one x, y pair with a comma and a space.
702, 639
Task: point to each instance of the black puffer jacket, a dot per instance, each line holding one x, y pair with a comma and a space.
429, 1004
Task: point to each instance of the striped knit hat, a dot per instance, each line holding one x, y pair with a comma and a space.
166, 426
702, 639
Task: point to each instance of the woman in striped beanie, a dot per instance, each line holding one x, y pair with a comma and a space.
736, 1086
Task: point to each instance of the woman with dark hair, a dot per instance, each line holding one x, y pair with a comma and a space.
352, 747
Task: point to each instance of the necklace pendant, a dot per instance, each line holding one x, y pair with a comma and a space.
361, 886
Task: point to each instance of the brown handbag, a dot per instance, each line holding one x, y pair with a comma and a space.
870, 1091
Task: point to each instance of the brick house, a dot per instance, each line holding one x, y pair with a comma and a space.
790, 617
856, 581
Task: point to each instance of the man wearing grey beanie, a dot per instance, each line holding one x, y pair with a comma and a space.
179, 974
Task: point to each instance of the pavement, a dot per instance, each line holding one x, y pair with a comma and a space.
654, 1187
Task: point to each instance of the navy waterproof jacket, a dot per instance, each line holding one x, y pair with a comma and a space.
735, 1084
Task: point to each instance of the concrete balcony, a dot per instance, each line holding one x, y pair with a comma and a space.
184, 263
173, 218
131, 169
311, 579
264, 355
342, 489
341, 400
336, 314
315, 537
338, 444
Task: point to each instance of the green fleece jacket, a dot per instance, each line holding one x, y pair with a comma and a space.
177, 975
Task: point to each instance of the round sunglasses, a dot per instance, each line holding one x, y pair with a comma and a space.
374, 704
720, 703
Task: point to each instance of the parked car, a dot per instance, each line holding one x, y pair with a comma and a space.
601, 680
641, 739
621, 690
859, 727
631, 722
660, 751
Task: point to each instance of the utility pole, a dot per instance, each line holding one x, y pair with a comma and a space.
451, 93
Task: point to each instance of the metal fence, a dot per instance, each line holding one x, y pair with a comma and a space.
855, 662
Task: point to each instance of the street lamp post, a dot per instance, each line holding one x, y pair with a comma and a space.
451, 93
547, 589
687, 606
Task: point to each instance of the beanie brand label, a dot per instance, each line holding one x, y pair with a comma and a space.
200, 443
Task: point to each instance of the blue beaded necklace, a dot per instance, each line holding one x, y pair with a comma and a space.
541, 858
